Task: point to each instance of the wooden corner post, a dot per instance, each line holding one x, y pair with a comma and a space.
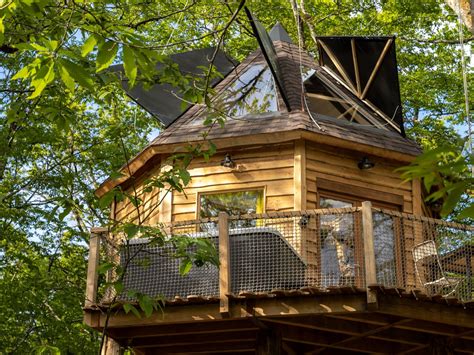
369, 252
92, 267
224, 264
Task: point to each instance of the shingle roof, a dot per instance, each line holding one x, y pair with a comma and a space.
189, 129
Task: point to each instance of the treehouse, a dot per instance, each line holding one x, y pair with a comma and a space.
322, 247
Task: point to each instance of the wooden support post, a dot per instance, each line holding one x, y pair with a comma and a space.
299, 180
369, 251
224, 267
92, 266
111, 347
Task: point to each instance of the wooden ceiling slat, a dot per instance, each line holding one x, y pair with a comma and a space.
191, 348
182, 328
224, 336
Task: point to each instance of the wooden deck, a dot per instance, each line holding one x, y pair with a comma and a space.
337, 321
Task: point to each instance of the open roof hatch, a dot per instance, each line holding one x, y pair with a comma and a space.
367, 66
163, 100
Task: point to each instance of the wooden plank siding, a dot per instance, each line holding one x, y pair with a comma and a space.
260, 167
340, 167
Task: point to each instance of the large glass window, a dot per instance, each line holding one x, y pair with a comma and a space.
339, 239
322, 100
253, 91
337, 244
234, 203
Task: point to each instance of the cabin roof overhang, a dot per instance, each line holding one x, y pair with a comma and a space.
271, 130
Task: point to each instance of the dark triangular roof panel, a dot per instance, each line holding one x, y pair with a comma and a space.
269, 52
368, 66
278, 33
163, 100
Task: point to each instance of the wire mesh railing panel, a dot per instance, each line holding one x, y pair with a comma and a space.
449, 270
438, 256
334, 250
389, 248
298, 250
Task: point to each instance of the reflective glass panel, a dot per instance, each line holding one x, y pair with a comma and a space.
337, 245
254, 91
234, 203
322, 100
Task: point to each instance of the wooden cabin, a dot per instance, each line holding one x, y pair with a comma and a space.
315, 229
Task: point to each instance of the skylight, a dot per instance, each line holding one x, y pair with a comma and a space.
253, 92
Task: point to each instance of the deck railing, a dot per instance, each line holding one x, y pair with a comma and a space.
293, 251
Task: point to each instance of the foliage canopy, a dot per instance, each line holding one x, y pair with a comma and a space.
65, 124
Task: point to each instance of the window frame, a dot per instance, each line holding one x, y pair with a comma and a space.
396, 204
215, 191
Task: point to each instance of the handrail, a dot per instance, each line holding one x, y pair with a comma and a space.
369, 262
424, 219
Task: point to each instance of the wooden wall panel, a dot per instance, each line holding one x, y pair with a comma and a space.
269, 168
340, 166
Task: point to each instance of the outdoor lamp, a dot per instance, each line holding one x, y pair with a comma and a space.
228, 162
365, 164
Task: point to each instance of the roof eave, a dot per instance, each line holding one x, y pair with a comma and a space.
133, 168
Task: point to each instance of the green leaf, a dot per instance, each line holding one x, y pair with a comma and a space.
66, 78
89, 45
107, 199
467, 212
127, 307
22, 74
131, 230
64, 213
79, 74
146, 304
118, 286
44, 76
185, 267
106, 55
103, 268
130, 65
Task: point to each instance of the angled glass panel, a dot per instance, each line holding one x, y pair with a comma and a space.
322, 100
254, 91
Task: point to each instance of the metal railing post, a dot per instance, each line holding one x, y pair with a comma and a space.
369, 251
224, 264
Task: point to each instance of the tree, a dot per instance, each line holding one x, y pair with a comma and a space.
66, 124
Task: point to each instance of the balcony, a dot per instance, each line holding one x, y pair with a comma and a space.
344, 262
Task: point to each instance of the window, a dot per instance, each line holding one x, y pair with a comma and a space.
337, 243
254, 91
233, 202
340, 240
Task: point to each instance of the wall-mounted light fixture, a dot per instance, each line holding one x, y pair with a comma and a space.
365, 164
228, 162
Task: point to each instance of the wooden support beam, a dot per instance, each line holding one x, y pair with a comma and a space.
369, 251
183, 329
202, 347
111, 347
356, 65
224, 264
376, 68
185, 339
338, 65
92, 268
299, 180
